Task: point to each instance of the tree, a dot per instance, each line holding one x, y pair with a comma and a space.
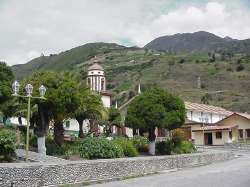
62, 99
155, 108
205, 98
90, 107
6, 79
114, 119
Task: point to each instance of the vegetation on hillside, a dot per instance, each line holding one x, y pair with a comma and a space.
224, 76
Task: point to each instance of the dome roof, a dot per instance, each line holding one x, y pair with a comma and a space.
95, 66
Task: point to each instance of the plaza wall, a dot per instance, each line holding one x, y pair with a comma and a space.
68, 172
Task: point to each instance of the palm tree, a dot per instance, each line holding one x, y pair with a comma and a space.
91, 107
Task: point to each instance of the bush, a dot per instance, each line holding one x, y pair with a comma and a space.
7, 144
98, 147
67, 149
32, 140
178, 136
127, 146
140, 143
184, 147
240, 67
168, 147
52, 148
71, 148
164, 147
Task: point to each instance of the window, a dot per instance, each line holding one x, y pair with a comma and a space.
67, 124
240, 133
218, 135
248, 133
102, 84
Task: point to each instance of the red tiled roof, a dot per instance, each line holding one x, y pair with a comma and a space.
215, 127
206, 108
246, 115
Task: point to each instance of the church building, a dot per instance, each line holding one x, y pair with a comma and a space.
97, 82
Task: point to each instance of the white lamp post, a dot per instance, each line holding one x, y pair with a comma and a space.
29, 90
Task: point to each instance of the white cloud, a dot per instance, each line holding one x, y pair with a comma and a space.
30, 27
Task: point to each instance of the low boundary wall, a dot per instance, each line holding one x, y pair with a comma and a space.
55, 173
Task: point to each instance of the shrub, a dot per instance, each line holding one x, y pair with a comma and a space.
178, 136
181, 61
67, 149
32, 140
7, 144
52, 148
127, 146
71, 148
240, 67
184, 147
140, 143
164, 147
97, 147
168, 147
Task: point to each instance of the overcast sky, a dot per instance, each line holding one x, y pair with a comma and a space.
31, 27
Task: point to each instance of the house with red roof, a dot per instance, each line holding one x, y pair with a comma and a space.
211, 125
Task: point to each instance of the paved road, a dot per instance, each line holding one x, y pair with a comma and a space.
233, 173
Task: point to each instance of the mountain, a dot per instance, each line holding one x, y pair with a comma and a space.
199, 42
66, 60
224, 78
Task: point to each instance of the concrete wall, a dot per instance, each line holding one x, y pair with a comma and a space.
54, 173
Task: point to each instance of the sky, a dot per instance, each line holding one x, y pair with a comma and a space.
29, 28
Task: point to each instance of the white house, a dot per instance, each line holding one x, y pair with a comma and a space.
205, 113
211, 125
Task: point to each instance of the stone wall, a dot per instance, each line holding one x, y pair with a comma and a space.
238, 146
54, 173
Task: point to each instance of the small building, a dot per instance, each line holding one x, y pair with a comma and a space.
233, 128
242, 122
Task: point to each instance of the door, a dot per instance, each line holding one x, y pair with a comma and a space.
208, 138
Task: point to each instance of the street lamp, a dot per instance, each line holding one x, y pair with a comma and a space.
29, 90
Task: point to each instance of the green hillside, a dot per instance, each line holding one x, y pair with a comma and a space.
224, 78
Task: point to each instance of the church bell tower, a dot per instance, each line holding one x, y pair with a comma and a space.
96, 78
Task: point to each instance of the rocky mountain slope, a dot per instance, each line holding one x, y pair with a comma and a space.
224, 76
199, 42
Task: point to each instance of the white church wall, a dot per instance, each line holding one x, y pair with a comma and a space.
106, 101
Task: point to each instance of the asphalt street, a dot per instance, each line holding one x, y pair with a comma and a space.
233, 173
